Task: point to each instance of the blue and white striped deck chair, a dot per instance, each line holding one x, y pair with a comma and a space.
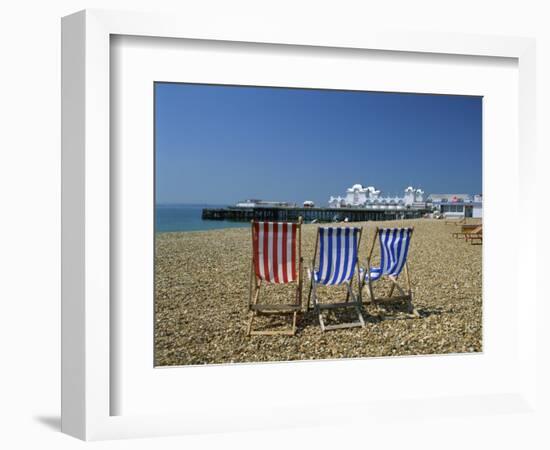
338, 263
394, 250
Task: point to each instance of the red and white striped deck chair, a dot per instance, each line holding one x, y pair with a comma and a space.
276, 259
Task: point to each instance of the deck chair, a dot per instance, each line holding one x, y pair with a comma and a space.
277, 259
467, 230
475, 235
394, 249
338, 262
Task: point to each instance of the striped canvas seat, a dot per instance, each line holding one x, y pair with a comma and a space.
338, 248
337, 255
394, 247
276, 259
394, 250
274, 247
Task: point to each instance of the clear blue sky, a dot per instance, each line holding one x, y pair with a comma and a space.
221, 144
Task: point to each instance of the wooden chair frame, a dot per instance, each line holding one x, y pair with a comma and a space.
475, 236
406, 294
354, 303
256, 308
467, 230
478, 237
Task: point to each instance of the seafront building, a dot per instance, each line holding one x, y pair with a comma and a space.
457, 205
445, 205
369, 197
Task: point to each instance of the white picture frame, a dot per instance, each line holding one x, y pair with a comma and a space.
87, 385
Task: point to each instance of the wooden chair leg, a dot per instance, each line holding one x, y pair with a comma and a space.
360, 316
321, 321
395, 284
250, 320
316, 307
357, 305
362, 286
410, 307
254, 294
359, 288
370, 290
309, 292
409, 289
298, 302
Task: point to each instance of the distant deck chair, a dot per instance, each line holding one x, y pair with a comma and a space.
475, 235
338, 263
467, 230
277, 259
394, 250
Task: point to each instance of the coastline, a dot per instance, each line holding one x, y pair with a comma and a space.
245, 225
201, 295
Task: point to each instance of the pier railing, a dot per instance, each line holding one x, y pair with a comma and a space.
284, 214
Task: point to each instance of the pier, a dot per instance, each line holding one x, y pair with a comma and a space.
290, 214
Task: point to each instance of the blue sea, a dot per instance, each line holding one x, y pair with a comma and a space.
188, 218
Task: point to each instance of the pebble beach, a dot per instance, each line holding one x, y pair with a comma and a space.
202, 288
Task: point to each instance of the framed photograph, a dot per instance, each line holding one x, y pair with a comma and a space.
260, 225
308, 261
